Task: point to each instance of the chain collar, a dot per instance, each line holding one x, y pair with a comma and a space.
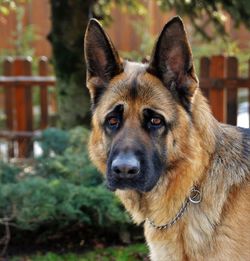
194, 198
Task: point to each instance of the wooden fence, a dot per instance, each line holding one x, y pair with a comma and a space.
17, 84
219, 81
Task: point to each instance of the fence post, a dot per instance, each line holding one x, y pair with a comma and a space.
23, 106
232, 72
43, 71
9, 103
204, 72
217, 96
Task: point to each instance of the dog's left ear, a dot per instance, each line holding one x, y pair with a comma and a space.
172, 61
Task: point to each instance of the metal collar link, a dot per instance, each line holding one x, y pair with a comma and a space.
194, 198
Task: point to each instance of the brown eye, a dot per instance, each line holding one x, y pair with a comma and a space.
156, 121
113, 122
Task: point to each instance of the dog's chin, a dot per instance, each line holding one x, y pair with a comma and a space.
114, 184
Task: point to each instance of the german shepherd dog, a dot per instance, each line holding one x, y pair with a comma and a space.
174, 167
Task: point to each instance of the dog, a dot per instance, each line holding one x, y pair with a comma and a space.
176, 169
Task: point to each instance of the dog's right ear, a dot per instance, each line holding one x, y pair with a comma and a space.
102, 60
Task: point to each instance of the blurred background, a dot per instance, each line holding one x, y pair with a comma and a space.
53, 203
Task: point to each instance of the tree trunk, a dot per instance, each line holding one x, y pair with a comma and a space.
69, 21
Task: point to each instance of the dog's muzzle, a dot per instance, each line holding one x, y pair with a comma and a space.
125, 166
133, 169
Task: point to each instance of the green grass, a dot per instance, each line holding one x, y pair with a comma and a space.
136, 252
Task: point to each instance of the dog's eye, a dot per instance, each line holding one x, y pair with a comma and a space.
156, 121
153, 120
113, 122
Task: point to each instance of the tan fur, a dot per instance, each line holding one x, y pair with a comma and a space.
225, 195
201, 152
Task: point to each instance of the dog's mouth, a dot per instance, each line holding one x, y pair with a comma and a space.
143, 181
125, 181
133, 170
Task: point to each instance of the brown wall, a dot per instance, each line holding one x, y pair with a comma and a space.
40, 16
121, 30
37, 13
7, 26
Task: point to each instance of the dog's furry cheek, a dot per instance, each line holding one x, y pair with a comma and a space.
97, 152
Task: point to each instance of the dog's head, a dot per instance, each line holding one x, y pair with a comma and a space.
141, 112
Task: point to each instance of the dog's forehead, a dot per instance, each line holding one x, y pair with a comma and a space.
138, 89
134, 68
136, 84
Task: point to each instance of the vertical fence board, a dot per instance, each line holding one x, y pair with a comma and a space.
43, 71
23, 107
7, 71
217, 96
9, 103
232, 103
204, 72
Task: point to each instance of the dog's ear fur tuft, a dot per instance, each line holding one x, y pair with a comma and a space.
102, 60
172, 62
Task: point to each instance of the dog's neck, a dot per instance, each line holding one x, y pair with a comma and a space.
167, 198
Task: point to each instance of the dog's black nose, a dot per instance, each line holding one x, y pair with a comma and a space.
125, 165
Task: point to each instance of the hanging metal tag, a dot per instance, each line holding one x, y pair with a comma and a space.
195, 196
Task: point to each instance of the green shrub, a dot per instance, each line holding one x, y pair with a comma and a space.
60, 188
54, 141
37, 201
8, 173
65, 156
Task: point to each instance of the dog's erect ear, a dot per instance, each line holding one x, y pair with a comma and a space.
172, 62
101, 57
102, 60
